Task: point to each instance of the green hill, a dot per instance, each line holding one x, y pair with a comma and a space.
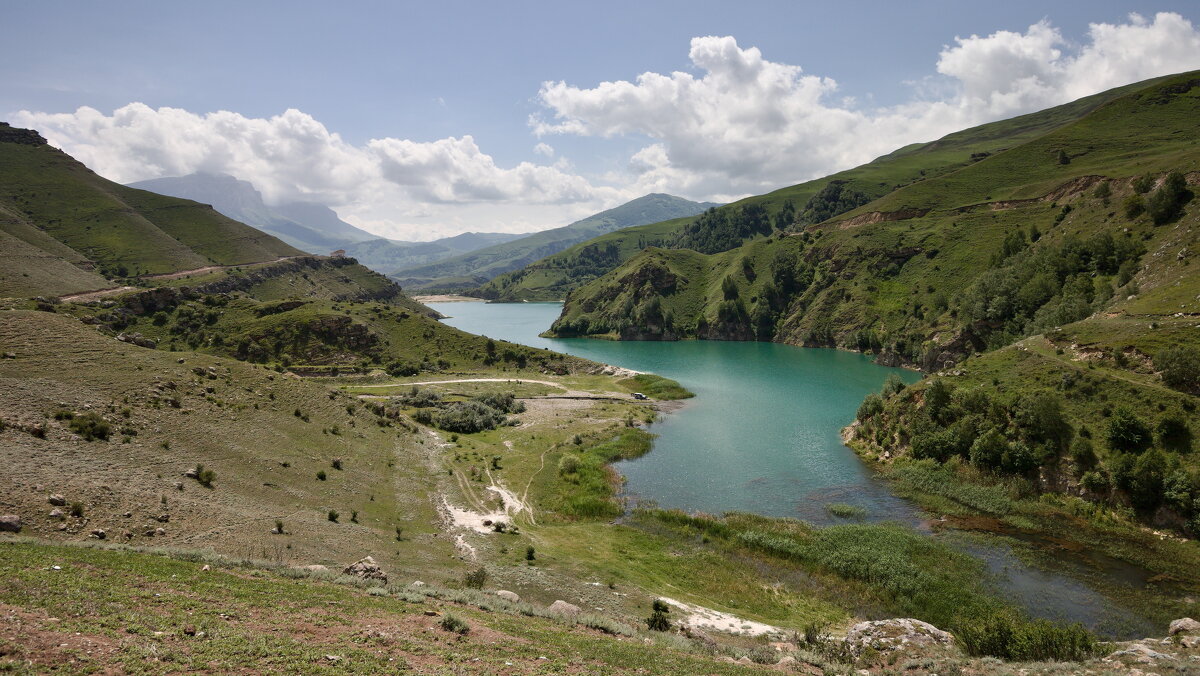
470, 270
1049, 284
811, 202
110, 229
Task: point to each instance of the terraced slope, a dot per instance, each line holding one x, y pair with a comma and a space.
811, 202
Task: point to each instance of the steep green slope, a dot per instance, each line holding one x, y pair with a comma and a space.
810, 202
115, 230
470, 270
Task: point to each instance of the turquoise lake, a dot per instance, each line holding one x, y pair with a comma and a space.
762, 435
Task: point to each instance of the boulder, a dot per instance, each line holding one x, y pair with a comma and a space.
1139, 653
159, 532
98, 533
508, 596
314, 568
1184, 625
367, 569
57, 500
895, 634
57, 514
10, 523
563, 608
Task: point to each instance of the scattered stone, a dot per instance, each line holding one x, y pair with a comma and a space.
57, 500
206, 567
1140, 653
192, 473
127, 514
432, 613
417, 583
315, 568
367, 569
127, 534
782, 646
178, 485
1190, 641
163, 518
159, 532
189, 629
1184, 625
57, 514
98, 533
10, 523
149, 532
10, 355
563, 608
786, 660
895, 634
508, 596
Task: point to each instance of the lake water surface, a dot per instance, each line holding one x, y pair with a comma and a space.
762, 435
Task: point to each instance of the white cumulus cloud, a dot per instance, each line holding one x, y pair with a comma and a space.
396, 186
745, 124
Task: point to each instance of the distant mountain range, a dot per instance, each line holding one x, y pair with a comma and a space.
470, 270
314, 227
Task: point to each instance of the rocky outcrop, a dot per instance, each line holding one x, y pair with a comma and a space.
563, 608
366, 569
898, 634
27, 137
1184, 625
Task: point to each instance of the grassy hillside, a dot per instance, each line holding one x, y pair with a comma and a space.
472, 269
789, 208
74, 217
1050, 286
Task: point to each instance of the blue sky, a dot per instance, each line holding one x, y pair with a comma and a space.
431, 104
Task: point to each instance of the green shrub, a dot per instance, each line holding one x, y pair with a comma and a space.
871, 406
76, 509
1166, 204
1010, 638
937, 399
1127, 432
321, 475
475, 579
530, 554
1134, 206
658, 616
1180, 368
842, 510
453, 624
205, 476
333, 515
568, 464
1173, 432
893, 385
468, 417
90, 426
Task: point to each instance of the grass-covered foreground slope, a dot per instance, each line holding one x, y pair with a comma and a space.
471, 269
789, 208
62, 211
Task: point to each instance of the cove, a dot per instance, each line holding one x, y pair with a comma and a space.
763, 436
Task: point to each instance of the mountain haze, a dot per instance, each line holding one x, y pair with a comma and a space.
472, 269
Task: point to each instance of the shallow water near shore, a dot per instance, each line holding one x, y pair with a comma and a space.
763, 436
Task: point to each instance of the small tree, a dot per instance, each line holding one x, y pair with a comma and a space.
1180, 368
1173, 433
530, 555
937, 399
1127, 432
658, 617
333, 515
205, 476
